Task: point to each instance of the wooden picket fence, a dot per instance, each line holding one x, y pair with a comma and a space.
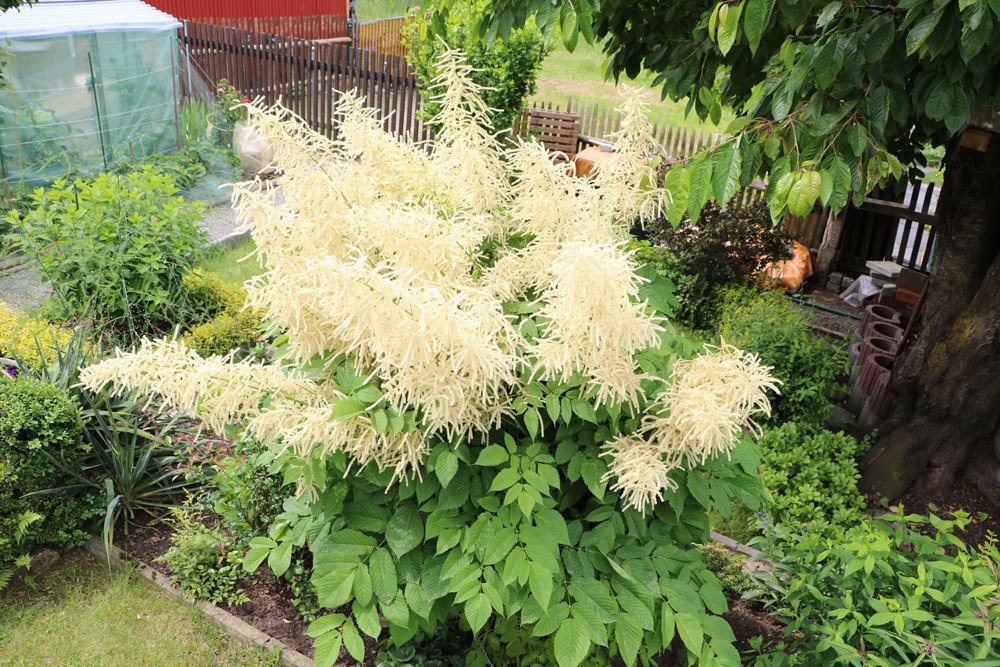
320, 27
383, 35
307, 76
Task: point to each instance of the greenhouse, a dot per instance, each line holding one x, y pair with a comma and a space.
86, 85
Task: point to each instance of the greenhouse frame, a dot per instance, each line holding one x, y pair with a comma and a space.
87, 84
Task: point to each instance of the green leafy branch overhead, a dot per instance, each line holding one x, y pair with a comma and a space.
834, 98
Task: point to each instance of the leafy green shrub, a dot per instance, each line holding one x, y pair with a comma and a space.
725, 247
38, 421
202, 563
246, 493
29, 340
813, 479
210, 295
507, 68
225, 325
514, 446
115, 247
728, 567
900, 590
767, 324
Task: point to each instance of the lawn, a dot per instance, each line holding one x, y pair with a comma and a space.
580, 75
226, 263
370, 10
82, 614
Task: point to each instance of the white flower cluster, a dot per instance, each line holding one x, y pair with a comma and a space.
711, 400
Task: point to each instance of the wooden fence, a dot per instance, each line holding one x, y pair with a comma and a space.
200, 10
307, 76
319, 27
383, 35
899, 227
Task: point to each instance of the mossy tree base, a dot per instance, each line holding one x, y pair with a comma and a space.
948, 381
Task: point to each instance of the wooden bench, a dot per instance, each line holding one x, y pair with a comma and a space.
558, 131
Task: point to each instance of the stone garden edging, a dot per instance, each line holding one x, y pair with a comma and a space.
234, 626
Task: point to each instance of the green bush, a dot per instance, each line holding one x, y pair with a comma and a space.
224, 325
728, 567
202, 563
38, 421
246, 494
812, 476
507, 68
115, 248
901, 590
30, 340
767, 324
726, 247
210, 295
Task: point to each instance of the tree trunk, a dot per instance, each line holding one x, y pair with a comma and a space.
947, 382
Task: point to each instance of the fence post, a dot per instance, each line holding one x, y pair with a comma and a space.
187, 54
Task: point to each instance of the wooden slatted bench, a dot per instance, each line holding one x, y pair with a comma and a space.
558, 131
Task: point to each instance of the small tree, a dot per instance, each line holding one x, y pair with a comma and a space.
486, 418
505, 69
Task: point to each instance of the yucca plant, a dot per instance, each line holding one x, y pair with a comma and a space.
132, 467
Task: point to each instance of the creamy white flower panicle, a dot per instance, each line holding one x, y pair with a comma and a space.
627, 181
594, 322
711, 399
638, 470
372, 247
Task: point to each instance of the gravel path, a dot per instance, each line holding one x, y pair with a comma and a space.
22, 287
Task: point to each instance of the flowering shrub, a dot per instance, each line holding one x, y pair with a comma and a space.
478, 396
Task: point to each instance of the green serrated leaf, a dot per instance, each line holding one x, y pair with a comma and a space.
628, 634
727, 165
804, 192
405, 530
353, 642
445, 467
383, 575
478, 611
689, 628
755, 19
572, 642
493, 455
677, 184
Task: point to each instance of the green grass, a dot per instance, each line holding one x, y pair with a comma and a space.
226, 263
369, 10
580, 75
82, 614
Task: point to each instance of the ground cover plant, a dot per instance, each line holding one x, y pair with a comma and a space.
901, 589
492, 426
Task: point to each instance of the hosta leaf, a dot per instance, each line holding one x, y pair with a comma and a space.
572, 642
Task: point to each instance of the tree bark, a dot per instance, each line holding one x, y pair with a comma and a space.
947, 382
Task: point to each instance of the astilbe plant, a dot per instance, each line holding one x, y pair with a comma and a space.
468, 359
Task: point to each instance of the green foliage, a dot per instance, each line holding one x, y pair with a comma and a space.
29, 340
516, 537
835, 97
202, 563
767, 324
506, 68
446, 649
229, 99
724, 247
131, 468
115, 248
38, 421
813, 479
728, 567
225, 326
246, 494
903, 589
194, 120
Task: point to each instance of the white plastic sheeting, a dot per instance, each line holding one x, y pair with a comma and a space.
66, 17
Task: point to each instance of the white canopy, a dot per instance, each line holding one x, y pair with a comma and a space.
47, 18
